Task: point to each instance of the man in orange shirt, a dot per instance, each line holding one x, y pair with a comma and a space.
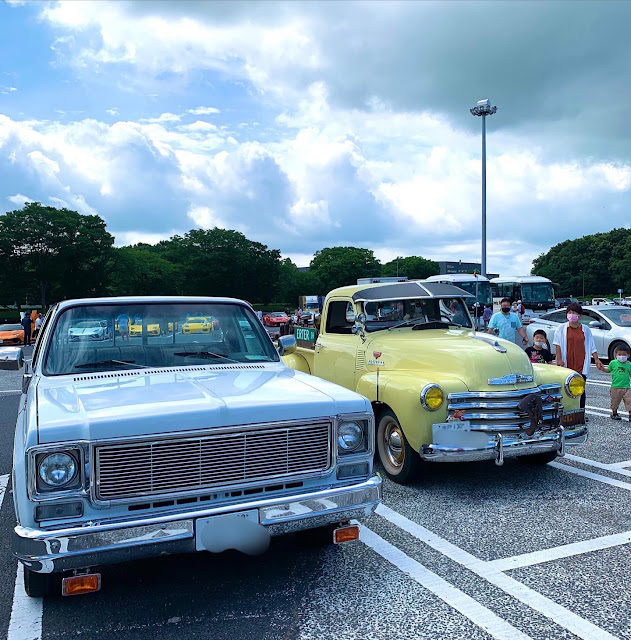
575, 345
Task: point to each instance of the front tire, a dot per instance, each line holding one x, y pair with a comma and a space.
40, 585
614, 346
400, 462
539, 459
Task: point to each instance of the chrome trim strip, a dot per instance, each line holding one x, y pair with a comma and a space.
512, 393
512, 378
493, 405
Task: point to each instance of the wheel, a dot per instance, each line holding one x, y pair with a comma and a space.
400, 462
539, 458
318, 537
39, 585
614, 346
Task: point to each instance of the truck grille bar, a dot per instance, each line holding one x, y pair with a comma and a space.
498, 411
156, 467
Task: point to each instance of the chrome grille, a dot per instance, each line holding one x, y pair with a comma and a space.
498, 411
128, 470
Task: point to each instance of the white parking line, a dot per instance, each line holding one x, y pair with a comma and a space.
605, 411
563, 551
26, 613
546, 607
11, 391
591, 476
4, 480
614, 468
465, 604
621, 465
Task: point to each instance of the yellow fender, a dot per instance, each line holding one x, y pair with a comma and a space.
298, 362
401, 391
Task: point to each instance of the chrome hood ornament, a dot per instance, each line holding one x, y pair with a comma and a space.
512, 378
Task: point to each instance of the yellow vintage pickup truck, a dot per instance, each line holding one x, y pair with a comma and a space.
440, 390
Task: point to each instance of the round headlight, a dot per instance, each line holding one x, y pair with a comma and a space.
432, 397
57, 469
350, 436
575, 385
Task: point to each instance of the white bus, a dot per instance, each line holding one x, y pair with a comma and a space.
535, 292
477, 286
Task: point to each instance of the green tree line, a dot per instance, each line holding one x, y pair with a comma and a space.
49, 254
597, 264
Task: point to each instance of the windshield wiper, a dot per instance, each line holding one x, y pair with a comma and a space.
108, 363
204, 354
409, 322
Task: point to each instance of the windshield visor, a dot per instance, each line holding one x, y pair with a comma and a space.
129, 336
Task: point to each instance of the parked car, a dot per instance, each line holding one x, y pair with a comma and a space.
563, 302
604, 301
88, 330
198, 324
275, 319
611, 326
619, 301
11, 334
127, 450
440, 391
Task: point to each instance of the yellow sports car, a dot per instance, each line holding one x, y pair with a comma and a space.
135, 329
198, 324
153, 329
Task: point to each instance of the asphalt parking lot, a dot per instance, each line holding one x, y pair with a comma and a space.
472, 552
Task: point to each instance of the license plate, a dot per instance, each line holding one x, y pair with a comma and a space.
572, 418
452, 425
238, 530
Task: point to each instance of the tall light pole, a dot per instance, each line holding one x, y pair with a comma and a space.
483, 108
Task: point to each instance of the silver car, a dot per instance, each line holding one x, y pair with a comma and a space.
610, 325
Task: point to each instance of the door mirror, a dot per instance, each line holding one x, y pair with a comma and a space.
286, 345
594, 324
11, 358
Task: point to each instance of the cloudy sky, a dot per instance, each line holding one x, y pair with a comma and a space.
316, 124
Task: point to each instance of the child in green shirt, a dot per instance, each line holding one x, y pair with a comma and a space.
620, 391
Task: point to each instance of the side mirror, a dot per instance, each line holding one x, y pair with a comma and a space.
286, 345
11, 358
594, 324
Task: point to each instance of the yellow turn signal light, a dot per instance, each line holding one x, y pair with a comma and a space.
76, 585
346, 534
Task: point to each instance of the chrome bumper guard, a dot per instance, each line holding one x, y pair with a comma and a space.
509, 445
47, 551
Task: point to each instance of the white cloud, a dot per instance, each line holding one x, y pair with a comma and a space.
112, 112
19, 199
4, 90
203, 111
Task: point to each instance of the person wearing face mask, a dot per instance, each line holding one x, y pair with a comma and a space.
620, 391
575, 345
539, 353
507, 323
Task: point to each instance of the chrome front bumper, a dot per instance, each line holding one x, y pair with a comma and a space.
509, 445
47, 551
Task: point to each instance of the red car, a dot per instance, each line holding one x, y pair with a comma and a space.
275, 319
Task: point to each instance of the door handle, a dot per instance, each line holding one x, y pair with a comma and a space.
319, 346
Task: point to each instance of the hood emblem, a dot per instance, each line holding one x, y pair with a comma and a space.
377, 354
513, 378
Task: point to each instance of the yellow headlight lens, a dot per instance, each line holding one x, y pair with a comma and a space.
432, 397
575, 385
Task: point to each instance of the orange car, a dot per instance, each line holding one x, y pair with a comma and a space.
11, 334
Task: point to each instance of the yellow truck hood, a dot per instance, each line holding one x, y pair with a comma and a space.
479, 357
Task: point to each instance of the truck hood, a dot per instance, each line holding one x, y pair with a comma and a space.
116, 405
474, 358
